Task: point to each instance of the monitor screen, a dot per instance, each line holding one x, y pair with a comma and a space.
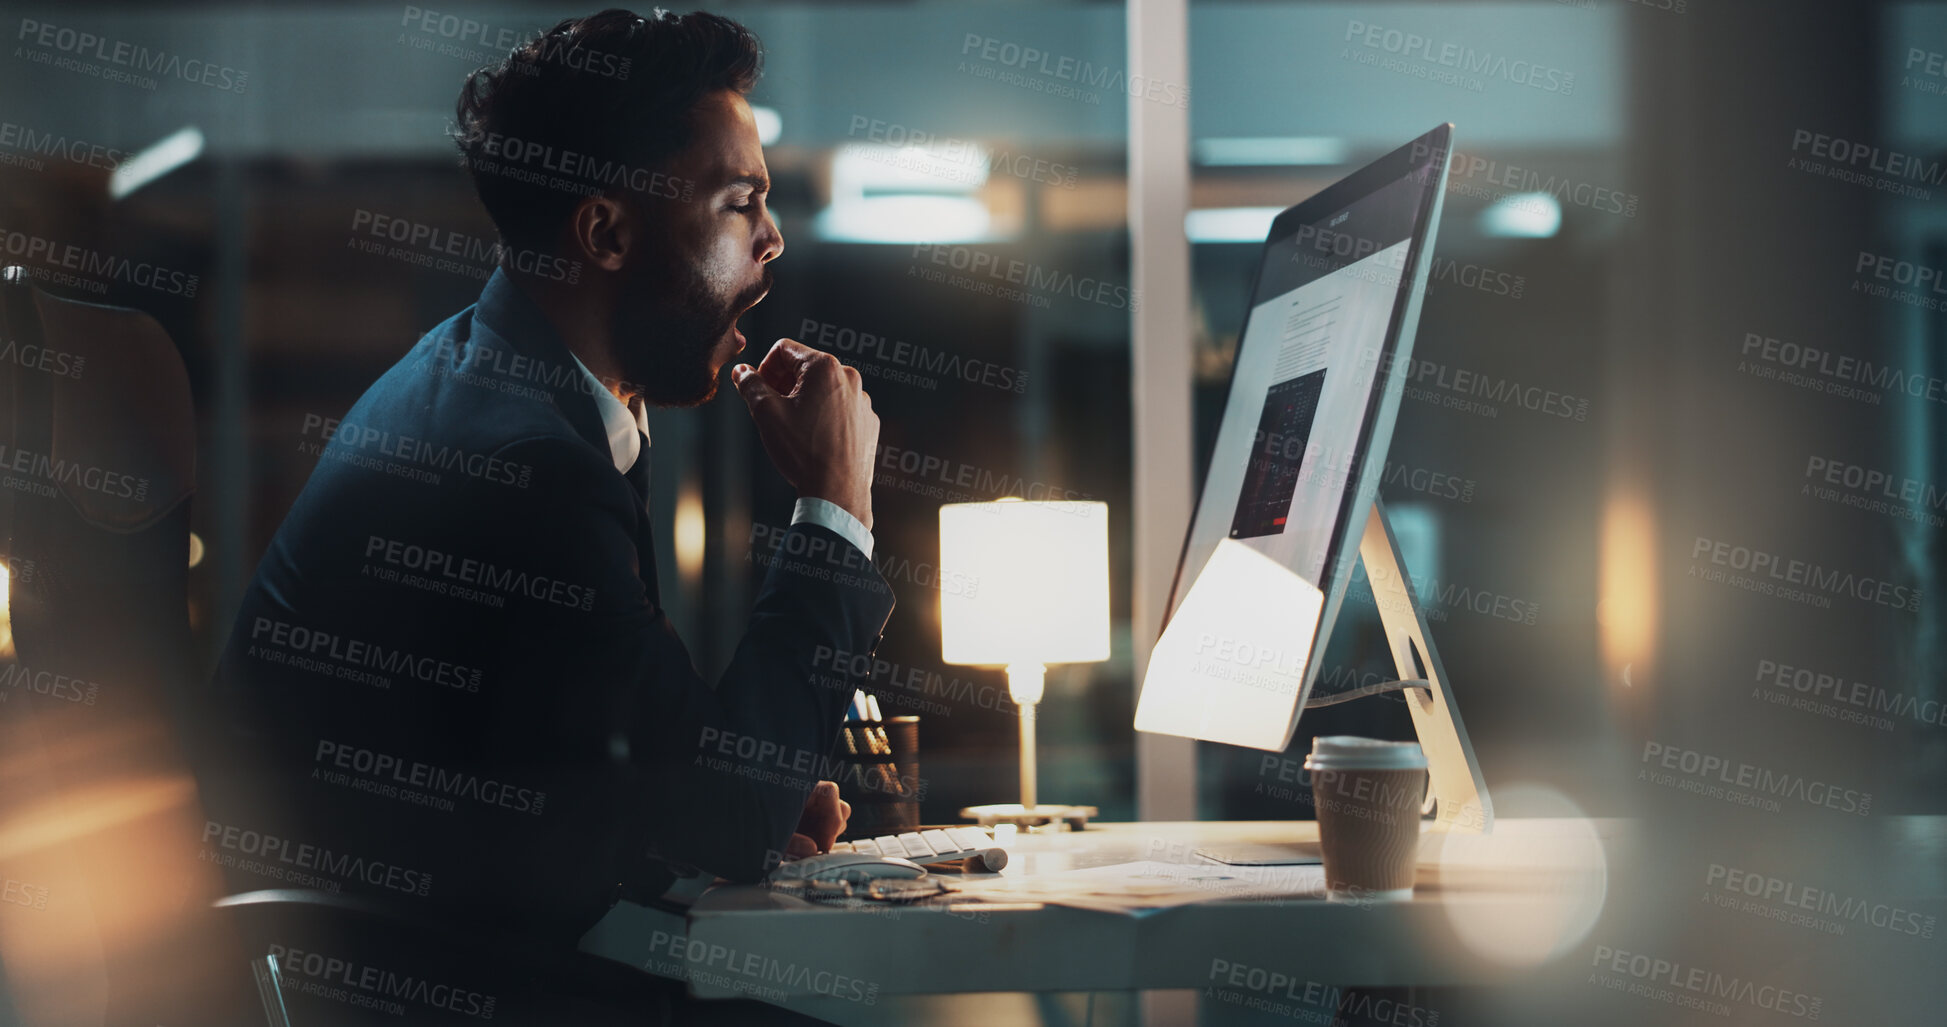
1301, 391
1293, 471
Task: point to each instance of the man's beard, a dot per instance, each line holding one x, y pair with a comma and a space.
666, 334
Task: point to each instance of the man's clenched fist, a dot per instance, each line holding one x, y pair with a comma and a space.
816, 422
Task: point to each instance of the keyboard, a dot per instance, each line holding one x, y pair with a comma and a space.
939, 845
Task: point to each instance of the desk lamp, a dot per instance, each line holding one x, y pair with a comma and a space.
1024, 585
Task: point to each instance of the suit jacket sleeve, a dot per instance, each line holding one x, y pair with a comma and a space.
711, 776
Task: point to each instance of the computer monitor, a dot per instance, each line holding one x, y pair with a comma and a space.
1290, 495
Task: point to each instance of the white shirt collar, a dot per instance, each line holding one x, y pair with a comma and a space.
620, 421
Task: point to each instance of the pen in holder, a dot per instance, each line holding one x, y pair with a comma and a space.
881, 780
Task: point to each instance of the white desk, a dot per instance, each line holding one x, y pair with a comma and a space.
1476, 899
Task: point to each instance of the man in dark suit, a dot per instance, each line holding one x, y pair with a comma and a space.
453, 667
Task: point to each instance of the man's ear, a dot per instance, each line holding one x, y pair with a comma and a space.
602, 231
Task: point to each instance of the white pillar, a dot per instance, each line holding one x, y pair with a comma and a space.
1159, 198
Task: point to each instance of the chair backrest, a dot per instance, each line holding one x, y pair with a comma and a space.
98, 807
101, 468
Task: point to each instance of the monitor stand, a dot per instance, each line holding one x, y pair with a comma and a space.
1456, 792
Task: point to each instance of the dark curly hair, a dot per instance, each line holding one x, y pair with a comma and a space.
594, 105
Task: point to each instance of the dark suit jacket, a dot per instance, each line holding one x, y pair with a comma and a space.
452, 678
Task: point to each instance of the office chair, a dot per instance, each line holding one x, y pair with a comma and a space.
99, 472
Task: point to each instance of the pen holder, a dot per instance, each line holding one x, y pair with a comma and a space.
881, 779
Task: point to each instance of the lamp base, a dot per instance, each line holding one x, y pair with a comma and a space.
1029, 816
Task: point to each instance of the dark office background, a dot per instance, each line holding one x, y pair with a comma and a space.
1687, 227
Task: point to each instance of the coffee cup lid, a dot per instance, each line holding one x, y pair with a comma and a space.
1350, 752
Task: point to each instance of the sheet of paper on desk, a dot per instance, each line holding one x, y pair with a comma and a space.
1146, 886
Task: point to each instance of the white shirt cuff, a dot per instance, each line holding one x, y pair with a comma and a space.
831, 516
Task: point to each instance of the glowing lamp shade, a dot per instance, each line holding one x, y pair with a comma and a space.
1024, 585
1024, 582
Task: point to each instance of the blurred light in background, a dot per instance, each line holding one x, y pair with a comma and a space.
1626, 612
691, 531
172, 152
1523, 216
906, 219
770, 124
6, 621
1230, 224
907, 194
1271, 151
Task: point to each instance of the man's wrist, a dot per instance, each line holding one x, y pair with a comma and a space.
858, 508
832, 517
